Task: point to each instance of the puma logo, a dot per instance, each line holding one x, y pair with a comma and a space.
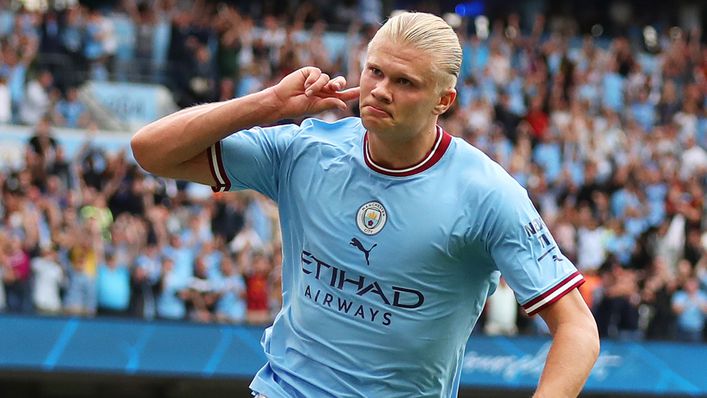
357, 243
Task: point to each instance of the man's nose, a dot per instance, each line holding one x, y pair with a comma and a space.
381, 92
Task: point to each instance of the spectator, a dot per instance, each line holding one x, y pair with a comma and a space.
617, 309
202, 77
62, 171
591, 250
43, 142
38, 97
172, 292
48, 282
257, 287
16, 275
656, 293
701, 270
505, 116
14, 69
145, 282
247, 238
564, 229
50, 34
179, 50
41, 154
643, 111
231, 306
92, 167
96, 212
613, 86
538, 119
5, 101
145, 21
99, 45
694, 160
619, 242
70, 111
84, 254
196, 233
202, 293
113, 286
182, 256
260, 214
690, 307
72, 41
669, 103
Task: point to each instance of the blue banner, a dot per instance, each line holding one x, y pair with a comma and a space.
622, 367
129, 347
193, 350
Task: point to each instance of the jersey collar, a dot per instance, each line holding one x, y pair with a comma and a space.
440, 146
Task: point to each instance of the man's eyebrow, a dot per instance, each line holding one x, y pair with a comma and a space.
412, 78
405, 75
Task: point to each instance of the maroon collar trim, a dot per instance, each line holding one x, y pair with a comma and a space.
431, 158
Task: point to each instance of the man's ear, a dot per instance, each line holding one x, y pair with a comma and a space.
446, 100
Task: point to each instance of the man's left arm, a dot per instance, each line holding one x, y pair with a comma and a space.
545, 282
575, 347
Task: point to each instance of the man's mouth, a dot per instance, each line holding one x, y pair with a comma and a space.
378, 112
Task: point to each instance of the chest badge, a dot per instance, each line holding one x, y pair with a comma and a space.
371, 218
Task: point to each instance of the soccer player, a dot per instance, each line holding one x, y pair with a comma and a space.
394, 232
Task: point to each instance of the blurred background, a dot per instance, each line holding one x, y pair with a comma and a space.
116, 282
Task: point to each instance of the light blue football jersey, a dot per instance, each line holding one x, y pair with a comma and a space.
385, 271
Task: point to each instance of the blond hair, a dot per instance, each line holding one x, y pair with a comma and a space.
430, 34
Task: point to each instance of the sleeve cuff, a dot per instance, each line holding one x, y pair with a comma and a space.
553, 294
218, 171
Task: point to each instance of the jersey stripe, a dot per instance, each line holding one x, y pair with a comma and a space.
553, 294
442, 142
218, 172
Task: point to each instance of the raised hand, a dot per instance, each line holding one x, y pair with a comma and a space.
308, 91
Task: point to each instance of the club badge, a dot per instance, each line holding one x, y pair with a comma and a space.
371, 218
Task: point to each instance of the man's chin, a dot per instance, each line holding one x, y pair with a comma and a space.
375, 124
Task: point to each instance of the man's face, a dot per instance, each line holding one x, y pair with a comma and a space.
398, 90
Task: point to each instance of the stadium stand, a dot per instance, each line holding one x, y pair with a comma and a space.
603, 123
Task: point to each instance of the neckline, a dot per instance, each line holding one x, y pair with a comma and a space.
440, 146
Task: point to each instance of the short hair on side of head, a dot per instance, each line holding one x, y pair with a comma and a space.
428, 33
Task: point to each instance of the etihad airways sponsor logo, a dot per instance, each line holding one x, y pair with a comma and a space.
350, 286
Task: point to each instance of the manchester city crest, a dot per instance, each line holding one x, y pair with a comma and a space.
371, 218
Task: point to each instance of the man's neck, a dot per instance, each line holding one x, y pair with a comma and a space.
400, 153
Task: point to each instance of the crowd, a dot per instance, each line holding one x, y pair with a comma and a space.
608, 138
94, 235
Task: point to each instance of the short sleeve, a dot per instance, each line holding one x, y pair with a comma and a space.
525, 252
250, 159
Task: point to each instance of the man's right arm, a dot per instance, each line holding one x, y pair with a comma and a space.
175, 146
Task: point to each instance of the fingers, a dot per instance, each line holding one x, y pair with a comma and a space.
327, 92
318, 82
336, 84
317, 85
332, 102
349, 94
336, 100
313, 74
